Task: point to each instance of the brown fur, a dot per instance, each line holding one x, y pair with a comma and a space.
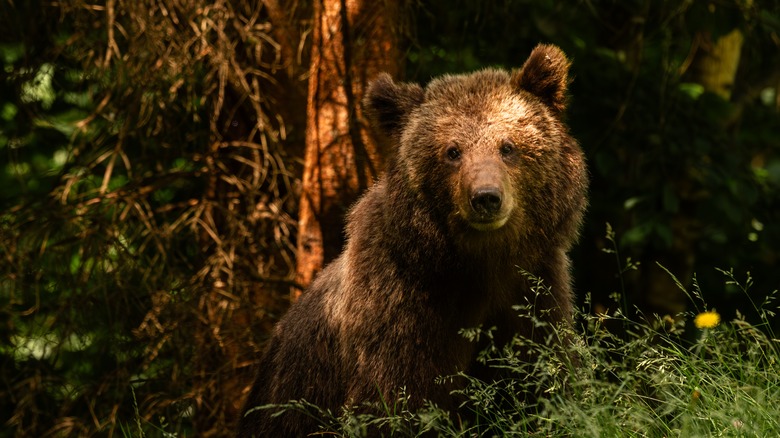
485, 180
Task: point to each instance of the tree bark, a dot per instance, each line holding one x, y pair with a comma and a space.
714, 66
353, 40
716, 62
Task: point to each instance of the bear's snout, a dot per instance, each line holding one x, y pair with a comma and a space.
486, 201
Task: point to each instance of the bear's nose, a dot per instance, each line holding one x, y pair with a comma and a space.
486, 200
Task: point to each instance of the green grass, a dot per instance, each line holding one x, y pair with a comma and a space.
649, 381
663, 377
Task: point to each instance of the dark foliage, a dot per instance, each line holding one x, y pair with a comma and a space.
147, 211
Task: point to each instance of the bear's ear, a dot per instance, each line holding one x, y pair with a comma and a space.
545, 75
389, 103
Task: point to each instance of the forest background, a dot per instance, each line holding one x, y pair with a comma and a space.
174, 172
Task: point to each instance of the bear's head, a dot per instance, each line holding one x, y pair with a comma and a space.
489, 150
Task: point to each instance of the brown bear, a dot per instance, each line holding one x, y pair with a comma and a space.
485, 181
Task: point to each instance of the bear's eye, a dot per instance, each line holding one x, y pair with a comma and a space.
453, 153
507, 147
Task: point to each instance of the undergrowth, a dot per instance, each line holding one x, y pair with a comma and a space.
609, 376
644, 380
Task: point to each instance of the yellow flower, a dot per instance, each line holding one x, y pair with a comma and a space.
707, 320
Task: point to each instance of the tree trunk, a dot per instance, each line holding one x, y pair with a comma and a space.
716, 62
353, 40
714, 66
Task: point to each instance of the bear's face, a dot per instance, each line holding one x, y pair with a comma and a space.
488, 150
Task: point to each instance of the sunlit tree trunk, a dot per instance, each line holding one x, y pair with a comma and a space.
714, 67
716, 62
353, 40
